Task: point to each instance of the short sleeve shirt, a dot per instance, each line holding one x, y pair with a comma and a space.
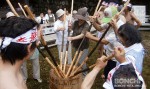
77, 30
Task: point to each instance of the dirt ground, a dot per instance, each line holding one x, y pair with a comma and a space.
45, 68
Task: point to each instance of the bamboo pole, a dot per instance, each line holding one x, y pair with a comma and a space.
22, 10
101, 38
62, 45
87, 69
12, 8
44, 42
71, 9
29, 12
69, 70
98, 4
92, 50
49, 62
77, 61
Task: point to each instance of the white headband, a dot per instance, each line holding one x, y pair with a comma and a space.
26, 38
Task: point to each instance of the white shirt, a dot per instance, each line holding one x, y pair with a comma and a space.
38, 19
59, 34
51, 15
109, 85
111, 38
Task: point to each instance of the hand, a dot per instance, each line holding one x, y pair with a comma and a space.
61, 28
70, 38
119, 54
92, 19
99, 63
113, 23
69, 25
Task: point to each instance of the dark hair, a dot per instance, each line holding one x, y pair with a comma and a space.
13, 27
126, 73
130, 34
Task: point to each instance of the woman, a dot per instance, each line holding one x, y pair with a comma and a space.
131, 39
17, 43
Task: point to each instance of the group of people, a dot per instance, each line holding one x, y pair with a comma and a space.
19, 38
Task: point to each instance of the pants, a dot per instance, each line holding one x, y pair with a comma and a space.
83, 56
64, 50
110, 65
36, 69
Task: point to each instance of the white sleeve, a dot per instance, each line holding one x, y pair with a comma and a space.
111, 37
107, 85
55, 27
46, 17
104, 26
120, 23
130, 59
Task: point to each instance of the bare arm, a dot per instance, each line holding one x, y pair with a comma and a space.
89, 79
76, 37
136, 20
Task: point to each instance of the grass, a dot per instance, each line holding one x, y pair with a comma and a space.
45, 68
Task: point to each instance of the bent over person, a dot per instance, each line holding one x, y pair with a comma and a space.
18, 40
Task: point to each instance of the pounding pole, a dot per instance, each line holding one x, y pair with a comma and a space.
77, 52
87, 69
22, 10
97, 7
43, 41
29, 12
125, 5
49, 62
12, 8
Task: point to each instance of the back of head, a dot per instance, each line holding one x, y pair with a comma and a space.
130, 34
125, 77
12, 28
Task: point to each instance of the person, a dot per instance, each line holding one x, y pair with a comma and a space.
59, 26
130, 16
41, 19
80, 27
18, 40
36, 67
50, 17
118, 76
132, 43
9, 14
110, 40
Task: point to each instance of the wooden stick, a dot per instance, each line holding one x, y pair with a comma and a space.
87, 69
99, 9
93, 49
100, 39
29, 12
22, 10
62, 45
71, 64
12, 8
49, 62
71, 10
66, 53
98, 4
43, 41
77, 61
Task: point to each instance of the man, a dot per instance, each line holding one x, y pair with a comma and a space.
59, 26
17, 43
36, 67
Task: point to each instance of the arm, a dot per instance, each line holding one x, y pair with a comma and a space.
89, 79
76, 37
136, 20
